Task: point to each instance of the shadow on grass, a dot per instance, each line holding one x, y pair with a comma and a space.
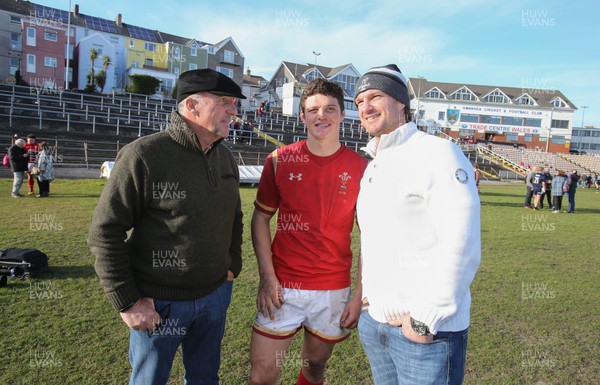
501, 204
497, 194
586, 211
65, 272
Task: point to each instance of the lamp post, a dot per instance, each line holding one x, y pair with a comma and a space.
549, 129
418, 98
68, 47
581, 131
583, 114
316, 55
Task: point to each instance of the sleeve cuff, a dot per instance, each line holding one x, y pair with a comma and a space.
124, 296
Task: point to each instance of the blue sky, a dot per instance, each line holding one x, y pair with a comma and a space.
532, 44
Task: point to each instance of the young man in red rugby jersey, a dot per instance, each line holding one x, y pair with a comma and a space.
305, 270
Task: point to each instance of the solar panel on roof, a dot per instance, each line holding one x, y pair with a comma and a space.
50, 13
141, 33
100, 24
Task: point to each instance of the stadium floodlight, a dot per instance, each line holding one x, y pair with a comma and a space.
316, 55
583, 114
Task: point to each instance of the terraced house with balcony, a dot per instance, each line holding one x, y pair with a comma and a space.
288, 81
130, 49
184, 54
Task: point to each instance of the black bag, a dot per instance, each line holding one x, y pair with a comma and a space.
22, 263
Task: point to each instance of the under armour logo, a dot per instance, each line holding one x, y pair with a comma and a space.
292, 176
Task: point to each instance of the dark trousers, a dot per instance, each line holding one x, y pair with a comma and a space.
528, 196
549, 197
558, 202
571, 197
44, 187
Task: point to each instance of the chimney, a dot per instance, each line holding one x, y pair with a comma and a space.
248, 71
119, 20
76, 11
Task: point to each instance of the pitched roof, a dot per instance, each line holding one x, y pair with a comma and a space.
19, 7
297, 70
254, 80
542, 96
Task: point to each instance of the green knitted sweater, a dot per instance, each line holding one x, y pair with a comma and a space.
169, 222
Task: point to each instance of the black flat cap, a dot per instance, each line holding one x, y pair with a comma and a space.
206, 80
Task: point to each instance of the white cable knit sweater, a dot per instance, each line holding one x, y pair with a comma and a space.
418, 212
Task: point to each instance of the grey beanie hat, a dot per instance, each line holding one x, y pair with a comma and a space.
388, 79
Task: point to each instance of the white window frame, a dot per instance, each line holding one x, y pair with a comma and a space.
31, 36
50, 62
463, 93
225, 71
48, 33
229, 56
30, 66
150, 46
13, 65
194, 51
193, 66
16, 45
497, 97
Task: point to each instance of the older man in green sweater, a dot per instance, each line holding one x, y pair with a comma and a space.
167, 234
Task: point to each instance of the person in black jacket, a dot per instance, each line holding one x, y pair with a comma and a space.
574, 180
18, 164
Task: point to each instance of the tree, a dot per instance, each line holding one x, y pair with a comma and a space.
101, 76
143, 84
91, 77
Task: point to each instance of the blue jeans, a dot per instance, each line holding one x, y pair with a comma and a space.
395, 360
197, 326
571, 197
17, 182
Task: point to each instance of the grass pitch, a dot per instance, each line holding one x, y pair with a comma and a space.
535, 314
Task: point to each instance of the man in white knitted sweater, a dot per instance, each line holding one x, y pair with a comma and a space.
418, 211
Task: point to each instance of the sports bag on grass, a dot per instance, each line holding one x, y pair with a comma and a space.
22, 263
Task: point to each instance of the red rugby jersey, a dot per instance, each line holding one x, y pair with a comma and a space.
316, 201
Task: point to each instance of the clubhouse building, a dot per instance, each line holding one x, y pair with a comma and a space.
524, 117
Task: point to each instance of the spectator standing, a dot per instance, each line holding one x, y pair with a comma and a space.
32, 149
558, 183
539, 187
45, 165
18, 164
168, 246
573, 182
548, 189
477, 176
529, 186
418, 213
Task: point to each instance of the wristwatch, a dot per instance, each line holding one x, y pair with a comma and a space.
419, 327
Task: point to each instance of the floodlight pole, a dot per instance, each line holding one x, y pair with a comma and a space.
316, 54
581, 131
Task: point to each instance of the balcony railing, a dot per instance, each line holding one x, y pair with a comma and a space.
227, 59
